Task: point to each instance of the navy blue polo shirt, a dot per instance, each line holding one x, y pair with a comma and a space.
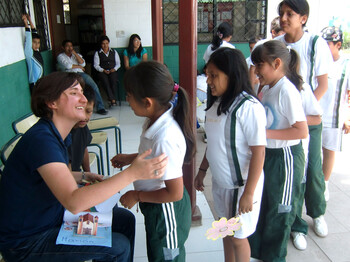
27, 205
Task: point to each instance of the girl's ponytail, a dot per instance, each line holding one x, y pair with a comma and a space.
293, 69
183, 118
224, 30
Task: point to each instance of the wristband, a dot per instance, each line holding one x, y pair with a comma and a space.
202, 169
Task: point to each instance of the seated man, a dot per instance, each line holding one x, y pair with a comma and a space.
71, 61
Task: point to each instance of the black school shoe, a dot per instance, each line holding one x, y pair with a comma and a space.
102, 111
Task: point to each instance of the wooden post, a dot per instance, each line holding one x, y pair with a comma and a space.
157, 30
188, 80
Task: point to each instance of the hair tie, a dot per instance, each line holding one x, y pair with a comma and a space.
176, 87
289, 48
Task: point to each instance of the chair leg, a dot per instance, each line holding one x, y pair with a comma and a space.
101, 155
107, 161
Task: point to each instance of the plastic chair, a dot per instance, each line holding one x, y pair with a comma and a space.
99, 138
22, 124
6, 150
108, 123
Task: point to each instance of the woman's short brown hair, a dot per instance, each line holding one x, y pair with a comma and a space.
49, 89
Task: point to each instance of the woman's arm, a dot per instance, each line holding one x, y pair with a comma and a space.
97, 63
171, 193
255, 169
322, 86
126, 62
144, 57
64, 187
299, 130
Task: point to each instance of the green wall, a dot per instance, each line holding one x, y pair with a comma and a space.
14, 95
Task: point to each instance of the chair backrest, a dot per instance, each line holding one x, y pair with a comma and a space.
8, 147
22, 124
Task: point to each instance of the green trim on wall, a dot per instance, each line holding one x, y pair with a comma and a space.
14, 95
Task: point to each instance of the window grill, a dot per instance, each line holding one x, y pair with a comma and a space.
42, 24
247, 17
11, 12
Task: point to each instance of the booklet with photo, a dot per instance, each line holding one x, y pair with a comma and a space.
92, 227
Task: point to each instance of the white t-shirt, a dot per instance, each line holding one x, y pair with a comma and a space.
250, 130
335, 101
283, 107
164, 136
208, 52
310, 104
322, 57
65, 63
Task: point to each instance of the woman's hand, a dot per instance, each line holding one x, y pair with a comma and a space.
199, 180
121, 160
129, 199
142, 168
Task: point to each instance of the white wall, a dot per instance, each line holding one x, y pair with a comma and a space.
126, 17
11, 45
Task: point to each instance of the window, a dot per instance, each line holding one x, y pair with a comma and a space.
247, 17
11, 12
66, 12
41, 23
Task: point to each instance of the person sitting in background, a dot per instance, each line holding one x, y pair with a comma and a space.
135, 53
107, 62
33, 57
71, 61
276, 29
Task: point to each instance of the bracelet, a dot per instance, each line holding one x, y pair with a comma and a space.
83, 175
202, 169
138, 196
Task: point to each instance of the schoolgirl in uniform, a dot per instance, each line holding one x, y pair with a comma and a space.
164, 202
235, 125
315, 62
284, 161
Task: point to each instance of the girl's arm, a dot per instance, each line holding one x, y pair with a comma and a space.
62, 184
86, 161
126, 62
299, 130
255, 169
322, 86
313, 120
171, 193
202, 172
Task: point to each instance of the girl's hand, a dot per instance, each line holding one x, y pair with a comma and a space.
142, 168
245, 204
346, 127
120, 160
129, 199
198, 181
92, 177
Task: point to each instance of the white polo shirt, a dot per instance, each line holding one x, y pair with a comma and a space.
164, 136
226, 135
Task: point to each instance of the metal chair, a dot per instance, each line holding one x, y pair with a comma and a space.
94, 157
22, 124
8, 147
108, 123
99, 138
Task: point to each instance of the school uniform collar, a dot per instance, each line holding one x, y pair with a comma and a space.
107, 54
150, 132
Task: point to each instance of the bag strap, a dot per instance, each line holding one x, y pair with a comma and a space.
233, 141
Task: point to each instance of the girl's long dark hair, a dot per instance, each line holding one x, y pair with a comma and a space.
270, 50
224, 30
153, 79
233, 64
131, 46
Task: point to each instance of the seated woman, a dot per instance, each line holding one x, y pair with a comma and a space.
135, 53
107, 62
36, 185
